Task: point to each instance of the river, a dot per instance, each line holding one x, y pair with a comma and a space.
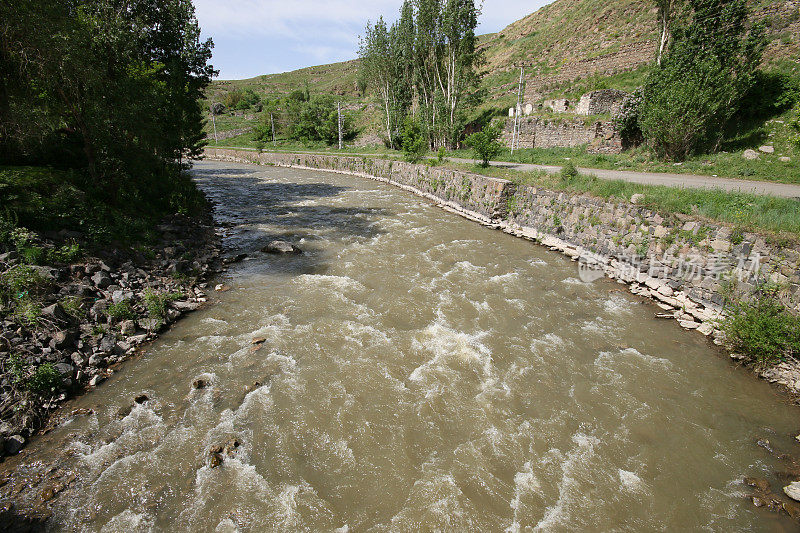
412, 371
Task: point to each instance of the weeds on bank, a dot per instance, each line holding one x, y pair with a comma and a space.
762, 330
41, 380
156, 303
20, 289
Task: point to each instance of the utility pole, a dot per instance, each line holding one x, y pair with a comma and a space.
339, 110
214, 122
272, 121
518, 110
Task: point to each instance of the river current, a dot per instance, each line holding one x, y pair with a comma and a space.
413, 371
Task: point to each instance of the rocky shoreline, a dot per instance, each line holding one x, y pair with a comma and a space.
93, 314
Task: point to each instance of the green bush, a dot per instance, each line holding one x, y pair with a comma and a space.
486, 144
414, 143
710, 66
156, 303
121, 311
39, 380
763, 330
569, 171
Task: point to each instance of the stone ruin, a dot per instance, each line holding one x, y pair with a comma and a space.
600, 102
560, 105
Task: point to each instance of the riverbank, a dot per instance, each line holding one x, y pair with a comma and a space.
74, 321
689, 266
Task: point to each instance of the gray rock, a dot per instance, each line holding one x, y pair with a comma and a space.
65, 369
281, 247
137, 339
185, 307
102, 280
97, 361
785, 159
63, 339
78, 359
767, 149
128, 327
750, 155
637, 198
14, 444
97, 380
57, 313
793, 491
108, 343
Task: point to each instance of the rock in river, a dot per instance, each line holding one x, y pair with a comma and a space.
793, 491
281, 247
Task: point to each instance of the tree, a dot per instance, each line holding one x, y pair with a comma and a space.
665, 9
109, 86
708, 68
486, 144
431, 55
378, 60
414, 143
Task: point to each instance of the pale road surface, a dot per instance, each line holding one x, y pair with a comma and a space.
681, 181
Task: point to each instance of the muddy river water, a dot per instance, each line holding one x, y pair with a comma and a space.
418, 372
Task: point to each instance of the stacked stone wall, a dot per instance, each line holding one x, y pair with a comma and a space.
535, 132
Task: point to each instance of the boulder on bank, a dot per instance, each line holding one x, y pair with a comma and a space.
281, 248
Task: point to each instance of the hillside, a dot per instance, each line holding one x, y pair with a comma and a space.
570, 47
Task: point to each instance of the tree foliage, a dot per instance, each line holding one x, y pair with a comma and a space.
486, 144
429, 56
110, 87
303, 117
709, 67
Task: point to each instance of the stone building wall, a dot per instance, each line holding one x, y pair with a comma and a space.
535, 132
229, 134
600, 102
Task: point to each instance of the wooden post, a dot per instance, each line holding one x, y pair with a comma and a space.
272, 121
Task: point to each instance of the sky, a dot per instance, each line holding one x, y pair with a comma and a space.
254, 37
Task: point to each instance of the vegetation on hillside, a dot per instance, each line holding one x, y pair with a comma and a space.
699, 86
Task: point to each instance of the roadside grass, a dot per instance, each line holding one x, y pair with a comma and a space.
780, 217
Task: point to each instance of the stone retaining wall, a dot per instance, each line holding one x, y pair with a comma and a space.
687, 266
535, 132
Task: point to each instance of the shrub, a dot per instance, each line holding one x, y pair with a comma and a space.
486, 144
698, 87
39, 380
73, 306
121, 311
569, 171
763, 330
156, 303
626, 122
414, 144
441, 155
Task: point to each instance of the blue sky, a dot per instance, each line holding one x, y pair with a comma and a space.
254, 37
